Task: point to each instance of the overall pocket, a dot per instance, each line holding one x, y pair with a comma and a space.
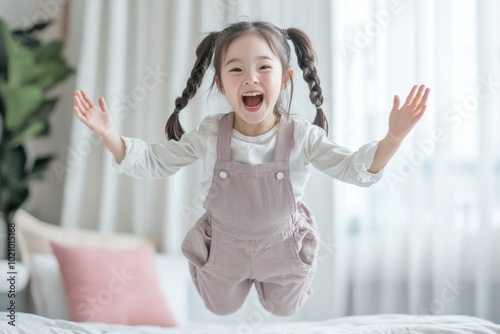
305, 245
198, 245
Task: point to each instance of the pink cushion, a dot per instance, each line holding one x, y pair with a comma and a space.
113, 286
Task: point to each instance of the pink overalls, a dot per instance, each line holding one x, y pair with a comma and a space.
253, 232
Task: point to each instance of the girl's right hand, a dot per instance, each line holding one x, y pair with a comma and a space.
97, 119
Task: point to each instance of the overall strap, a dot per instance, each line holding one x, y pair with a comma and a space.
224, 137
285, 139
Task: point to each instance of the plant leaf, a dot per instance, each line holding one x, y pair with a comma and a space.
37, 26
28, 40
52, 72
3, 56
46, 108
21, 64
48, 52
16, 199
12, 173
19, 103
43, 112
28, 69
41, 164
13, 168
31, 177
33, 130
1, 129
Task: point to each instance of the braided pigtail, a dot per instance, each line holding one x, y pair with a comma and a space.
204, 53
306, 58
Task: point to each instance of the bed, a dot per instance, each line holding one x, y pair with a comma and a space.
177, 309
395, 323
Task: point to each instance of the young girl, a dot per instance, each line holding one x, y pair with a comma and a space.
255, 229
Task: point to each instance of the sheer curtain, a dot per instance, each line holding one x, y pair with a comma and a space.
425, 239
428, 228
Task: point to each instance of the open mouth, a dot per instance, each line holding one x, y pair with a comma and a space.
252, 100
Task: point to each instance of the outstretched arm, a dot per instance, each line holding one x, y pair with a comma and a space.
401, 121
99, 120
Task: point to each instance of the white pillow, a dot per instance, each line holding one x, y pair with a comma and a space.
49, 299
47, 290
175, 281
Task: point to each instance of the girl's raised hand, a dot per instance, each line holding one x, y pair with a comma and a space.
401, 121
96, 118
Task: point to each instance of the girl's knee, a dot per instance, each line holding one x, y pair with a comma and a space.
223, 308
282, 310
286, 306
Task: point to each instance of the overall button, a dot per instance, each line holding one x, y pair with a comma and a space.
223, 175
280, 175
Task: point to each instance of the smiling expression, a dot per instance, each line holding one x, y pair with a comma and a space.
251, 79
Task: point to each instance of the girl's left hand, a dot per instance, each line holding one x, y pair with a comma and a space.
401, 121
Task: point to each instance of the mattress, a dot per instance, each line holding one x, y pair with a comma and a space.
388, 323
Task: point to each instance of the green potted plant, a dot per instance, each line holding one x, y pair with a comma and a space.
28, 70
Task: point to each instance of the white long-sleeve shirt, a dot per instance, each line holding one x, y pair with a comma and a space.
310, 145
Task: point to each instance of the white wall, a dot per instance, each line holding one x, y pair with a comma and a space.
46, 196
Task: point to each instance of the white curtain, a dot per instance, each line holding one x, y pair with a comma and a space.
421, 241
426, 239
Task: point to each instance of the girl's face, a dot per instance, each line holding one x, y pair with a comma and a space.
251, 78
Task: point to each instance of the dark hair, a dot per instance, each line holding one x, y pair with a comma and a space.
215, 45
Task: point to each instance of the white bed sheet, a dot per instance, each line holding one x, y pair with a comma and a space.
389, 323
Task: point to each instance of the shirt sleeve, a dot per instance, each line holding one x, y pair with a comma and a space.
340, 162
155, 161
